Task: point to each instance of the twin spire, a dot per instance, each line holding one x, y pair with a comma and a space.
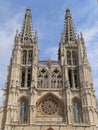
27, 32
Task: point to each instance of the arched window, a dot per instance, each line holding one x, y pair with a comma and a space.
77, 111
59, 81
26, 77
70, 77
23, 111
23, 77
53, 81
24, 57
30, 58
56, 79
68, 58
74, 58
76, 78
29, 77
43, 79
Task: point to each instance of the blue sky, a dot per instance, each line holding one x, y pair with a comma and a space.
48, 20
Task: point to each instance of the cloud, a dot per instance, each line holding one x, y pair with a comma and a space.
90, 32
7, 33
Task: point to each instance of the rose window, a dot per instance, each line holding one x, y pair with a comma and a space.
49, 106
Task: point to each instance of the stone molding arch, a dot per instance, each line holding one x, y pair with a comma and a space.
52, 96
76, 99
25, 97
50, 128
49, 104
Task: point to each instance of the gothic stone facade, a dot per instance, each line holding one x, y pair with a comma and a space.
49, 95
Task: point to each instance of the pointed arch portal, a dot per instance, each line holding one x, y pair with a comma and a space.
50, 129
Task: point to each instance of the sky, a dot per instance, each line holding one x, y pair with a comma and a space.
48, 21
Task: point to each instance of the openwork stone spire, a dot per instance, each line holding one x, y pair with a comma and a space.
69, 32
27, 33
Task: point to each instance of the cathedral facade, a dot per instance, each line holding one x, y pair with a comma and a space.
49, 95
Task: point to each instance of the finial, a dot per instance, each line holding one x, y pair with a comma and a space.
36, 37
68, 14
28, 11
35, 32
67, 10
78, 36
49, 62
17, 32
81, 35
82, 39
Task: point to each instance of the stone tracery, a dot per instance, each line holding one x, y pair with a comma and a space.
43, 79
49, 107
49, 80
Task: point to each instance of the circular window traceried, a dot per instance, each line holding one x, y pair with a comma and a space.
49, 107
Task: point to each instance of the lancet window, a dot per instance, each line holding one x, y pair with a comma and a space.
76, 78
23, 111
77, 112
70, 77
30, 58
73, 77
71, 58
23, 77
56, 79
26, 77
27, 57
29, 78
24, 57
74, 58
43, 79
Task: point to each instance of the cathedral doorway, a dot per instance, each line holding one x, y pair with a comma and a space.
50, 129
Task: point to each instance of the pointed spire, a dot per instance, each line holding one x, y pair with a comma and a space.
27, 33
69, 30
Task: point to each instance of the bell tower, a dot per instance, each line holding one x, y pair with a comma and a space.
80, 96
22, 75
